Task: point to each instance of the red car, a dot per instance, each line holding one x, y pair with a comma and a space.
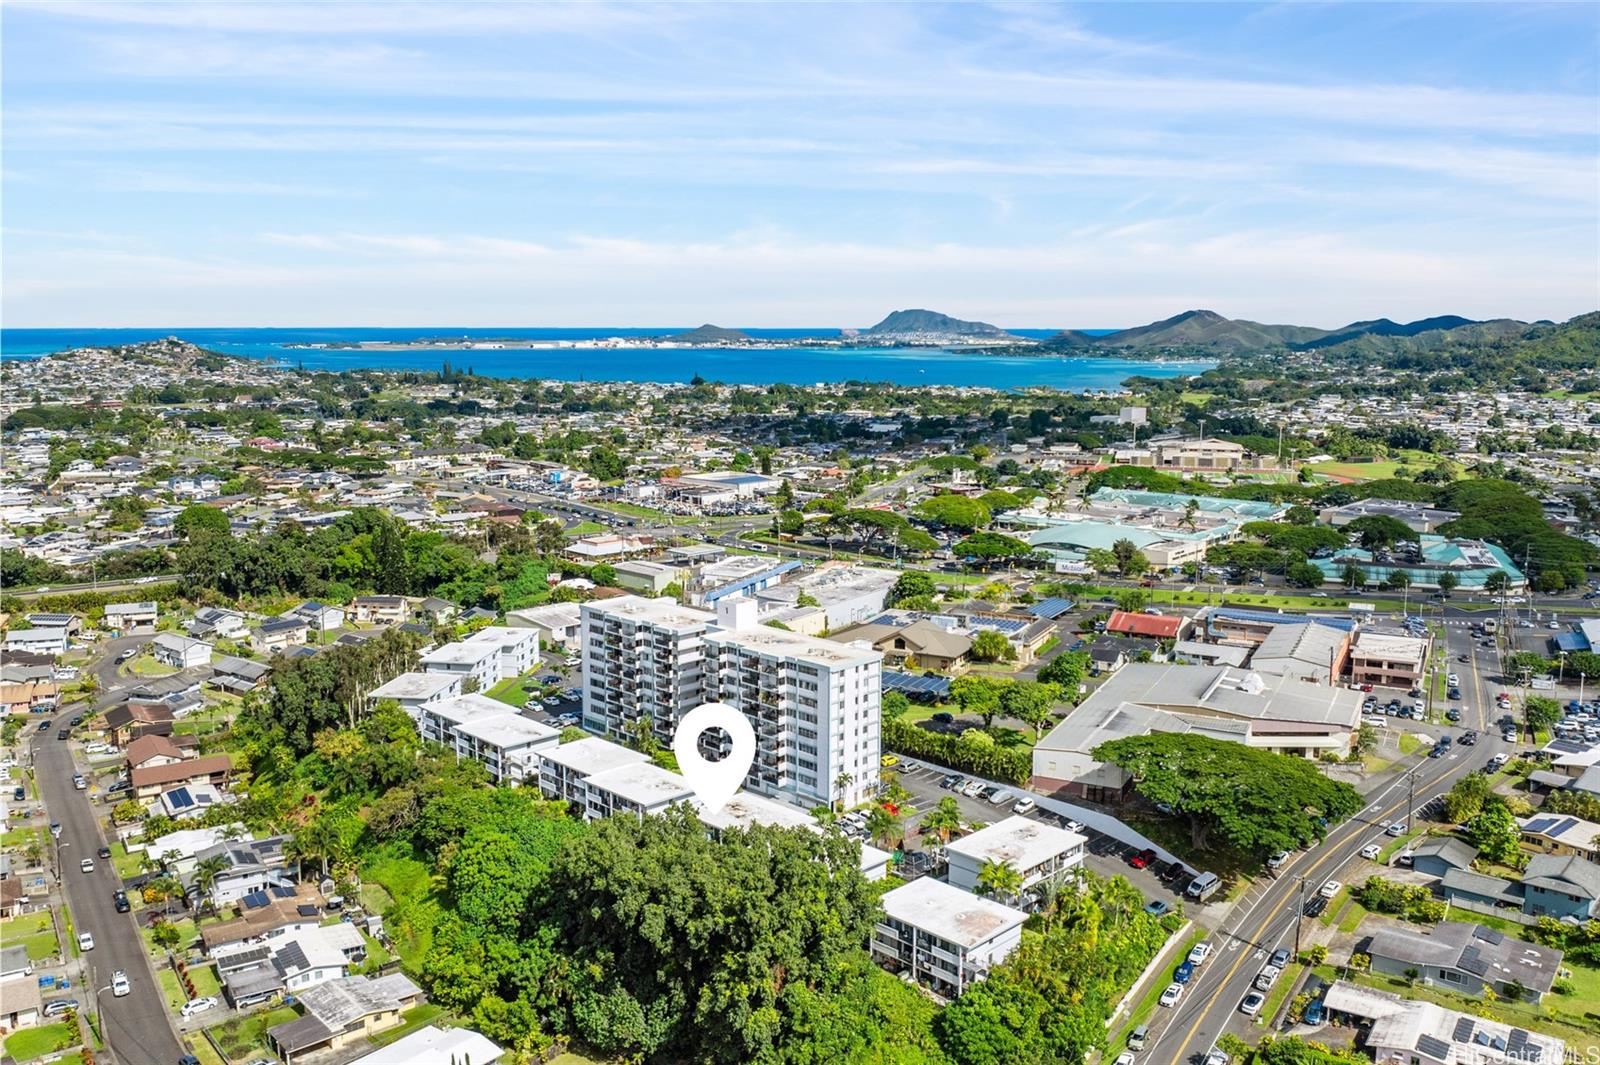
1142, 859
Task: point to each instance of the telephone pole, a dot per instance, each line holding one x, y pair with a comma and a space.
1300, 916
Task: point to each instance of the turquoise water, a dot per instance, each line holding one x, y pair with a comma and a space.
752, 366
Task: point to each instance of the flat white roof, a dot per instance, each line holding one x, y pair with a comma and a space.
509, 729
591, 755
1019, 841
766, 640
1390, 645
462, 708
746, 809
501, 636
430, 1046
664, 612
949, 913
461, 653
415, 686
643, 783
551, 615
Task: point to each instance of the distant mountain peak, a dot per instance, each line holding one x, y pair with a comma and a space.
710, 334
917, 321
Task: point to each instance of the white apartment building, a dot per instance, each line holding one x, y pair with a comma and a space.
946, 938
558, 625
488, 731
519, 648
639, 788
37, 641
1038, 851
468, 661
814, 704
413, 691
565, 768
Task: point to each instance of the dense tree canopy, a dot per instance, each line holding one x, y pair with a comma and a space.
1250, 799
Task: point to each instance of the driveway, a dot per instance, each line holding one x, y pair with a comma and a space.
136, 1027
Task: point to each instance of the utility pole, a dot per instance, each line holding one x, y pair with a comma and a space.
1300, 916
1411, 797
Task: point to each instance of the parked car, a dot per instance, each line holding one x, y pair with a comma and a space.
949, 781
1371, 851
85, 941
1199, 953
57, 1006
1315, 906
1330, 889
1396, 829
944, 717
1280, 957
119, 899
1267, 977
197, 1006
1277, 860
1171, 995
1140, 859
1025, 805
119, 983
1251, 1005
1157, 908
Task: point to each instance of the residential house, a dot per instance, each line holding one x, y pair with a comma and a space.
1107, 654
238, 675
912, 643
180, 652
253, 973
1438, 855
1465, 958
25, 698
434, 610
123, 724
380, 609
51, 642
211, 622
430, 1045
320, 617
944, 938
213, 769
1561, 834
1561, 885
187, 802
72, 624
128, 618
280, 634
1148, 626
344, 1012
248, 866
1414, 1031
152, 750
1039, 852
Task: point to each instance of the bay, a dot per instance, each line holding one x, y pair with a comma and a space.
584, 354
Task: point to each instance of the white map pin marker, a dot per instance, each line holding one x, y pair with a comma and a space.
714, 783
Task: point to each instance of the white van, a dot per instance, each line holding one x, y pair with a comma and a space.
1203, 886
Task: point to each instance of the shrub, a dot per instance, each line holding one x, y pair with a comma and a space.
984, 760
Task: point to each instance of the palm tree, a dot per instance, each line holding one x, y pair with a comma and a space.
884, 823
943, 819
841, 782
999, 879
206, 872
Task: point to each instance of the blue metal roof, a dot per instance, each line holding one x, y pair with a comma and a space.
1571, 642
1050, 609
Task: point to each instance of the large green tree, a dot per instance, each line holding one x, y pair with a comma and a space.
1254, 800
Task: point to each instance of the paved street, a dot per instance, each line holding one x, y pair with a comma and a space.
1266, 917
136, 1026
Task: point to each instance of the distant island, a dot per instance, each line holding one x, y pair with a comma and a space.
915, 324
711, 334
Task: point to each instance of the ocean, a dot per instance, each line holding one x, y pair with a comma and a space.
748, 366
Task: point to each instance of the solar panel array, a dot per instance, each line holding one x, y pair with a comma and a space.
1463, 1031
1563, 826
1433, 1047
1050, 608
1473, 962
1488, 935
911, 684
180, 799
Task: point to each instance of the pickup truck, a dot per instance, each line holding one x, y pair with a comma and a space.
1267, 977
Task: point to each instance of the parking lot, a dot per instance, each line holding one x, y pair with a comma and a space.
1106, 857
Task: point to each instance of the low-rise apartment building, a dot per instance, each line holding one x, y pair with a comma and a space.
1039, 852
946, 939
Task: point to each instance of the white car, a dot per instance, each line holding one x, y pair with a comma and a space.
1330, 889
1024, 806
119, 983
1397, 829
1251, 1004
1171, 995
1371, 851
85, 941
1267, 977
1199, 953
87, 865
1277, 859
197, 1005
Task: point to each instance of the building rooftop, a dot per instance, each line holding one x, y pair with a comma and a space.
1443, 1034
1394, 646
415, 686
766, 640
430, 1045
643, 783
663, 612
949, 913
591, 755
461, 653
1485, 953
507, 729
1021, 842
745, 810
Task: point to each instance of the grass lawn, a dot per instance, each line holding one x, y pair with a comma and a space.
41, 945
127, 863
1409, 744
410, 1021
34, 931
1398, 844
72, 934
1352, 917
377, 956
170, 987
201, 1048
514, 691
1335, 906
245, 1037
1146, 1005
574, 1058
32, 1043
145, 665
1280, 992
205, 981
374, 899
186, 930
586, 528
19, 838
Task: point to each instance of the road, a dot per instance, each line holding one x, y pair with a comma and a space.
1259, 925
136, 1026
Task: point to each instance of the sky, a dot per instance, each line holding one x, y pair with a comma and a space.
1032, 165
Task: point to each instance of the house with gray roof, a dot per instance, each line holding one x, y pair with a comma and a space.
341, 1012
1437, 855
1465, 958
1561, 885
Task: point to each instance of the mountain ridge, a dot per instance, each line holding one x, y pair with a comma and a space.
917, 321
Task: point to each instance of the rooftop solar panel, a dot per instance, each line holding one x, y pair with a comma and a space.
1563, 826
180, 799
1050, 608
1463, 1032
1433, 1047
1488, 935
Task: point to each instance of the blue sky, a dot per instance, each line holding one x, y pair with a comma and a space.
796, 165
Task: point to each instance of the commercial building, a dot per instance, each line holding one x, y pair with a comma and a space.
1280, 714
812, 703
845, 594
1038, 851
1469, 561
1388, 659
944, 938
1414, 516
